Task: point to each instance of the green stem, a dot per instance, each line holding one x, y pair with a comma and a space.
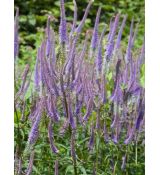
73, 149
97, 151
136, 153
18, 133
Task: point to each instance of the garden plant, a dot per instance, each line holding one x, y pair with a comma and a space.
80, 106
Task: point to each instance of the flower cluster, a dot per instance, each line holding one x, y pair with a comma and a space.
72, 85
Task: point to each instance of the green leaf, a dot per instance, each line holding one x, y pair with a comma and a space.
109, 76
36, 170
70, 169
82, 169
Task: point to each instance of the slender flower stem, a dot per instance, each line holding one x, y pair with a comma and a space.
73, 154
97, 150
136, 153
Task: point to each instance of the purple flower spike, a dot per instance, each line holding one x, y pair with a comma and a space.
128, 52
140, 117
129, 139
71, 118
99, 59
110, 28
104, 98
16, 42
117, 46
94, 40
24, 77
140, 59
135, 34
78, 107
115, 25
116, 117
64, 127
110, 44
52, 111
63, 25
116, 83
99, 53
79, 28
36, 74
70, 62
75, 18
47, 77
89, 109
48, 44
52, 58
114, 139
34, 130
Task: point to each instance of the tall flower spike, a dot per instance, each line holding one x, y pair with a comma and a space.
140, 59
36, 71
74, 19
49, 79
89, 109
117, 132
71, 118
79, 104
117, 45
94, 40
64, 127
63, 25
70, 62
34, 130
52, 57
53, 51
80, 63
24, 77
110, 44
140, 117
135, 34
103, 89
48, 44
79, 28
16, 42
130, 137
110, 28
116, 117
99, 52
129, 47
53, 113
116, 86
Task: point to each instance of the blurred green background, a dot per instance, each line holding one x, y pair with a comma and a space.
33, 16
